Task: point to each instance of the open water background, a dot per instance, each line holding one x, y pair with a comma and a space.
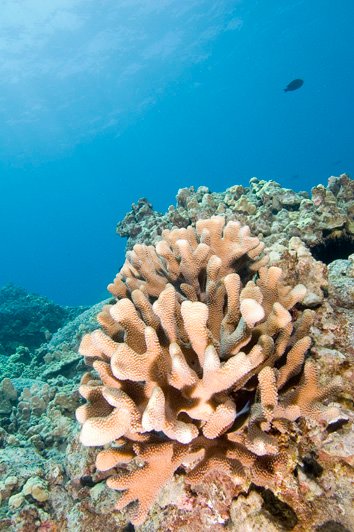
104, 102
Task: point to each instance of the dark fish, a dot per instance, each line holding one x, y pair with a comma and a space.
294, 85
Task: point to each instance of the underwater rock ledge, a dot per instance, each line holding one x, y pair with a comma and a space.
323, 220
48, 479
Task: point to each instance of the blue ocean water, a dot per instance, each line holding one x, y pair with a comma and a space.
102, 103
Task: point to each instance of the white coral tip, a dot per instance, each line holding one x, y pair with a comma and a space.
251, 311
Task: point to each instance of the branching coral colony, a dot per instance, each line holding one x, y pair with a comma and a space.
196, 363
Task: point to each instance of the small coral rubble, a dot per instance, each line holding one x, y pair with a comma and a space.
201, 365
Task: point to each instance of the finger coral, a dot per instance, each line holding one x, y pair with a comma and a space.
199, 364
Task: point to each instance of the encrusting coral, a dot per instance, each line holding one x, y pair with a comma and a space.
199, 364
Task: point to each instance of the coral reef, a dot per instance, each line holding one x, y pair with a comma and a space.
195, 365
40, 451
29, 320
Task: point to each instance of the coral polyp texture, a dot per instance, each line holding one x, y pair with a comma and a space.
198, 366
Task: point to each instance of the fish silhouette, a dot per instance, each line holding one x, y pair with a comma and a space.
294, 85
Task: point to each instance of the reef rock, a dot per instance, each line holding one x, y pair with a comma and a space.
29, 320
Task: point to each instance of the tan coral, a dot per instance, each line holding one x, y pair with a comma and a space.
199, 361
143, 484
